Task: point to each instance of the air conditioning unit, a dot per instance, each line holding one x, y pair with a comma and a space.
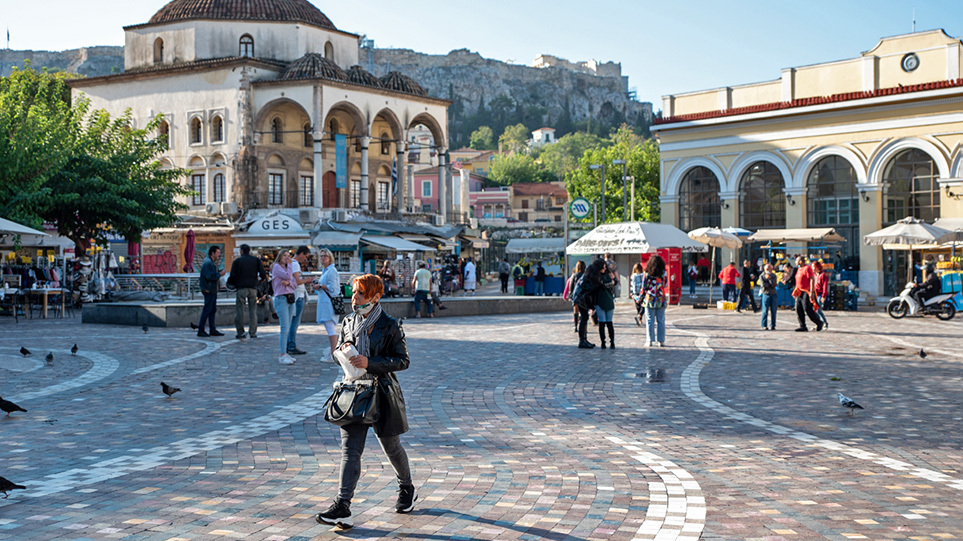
229, 208
308, 216
213, 208
438, 219
340, 215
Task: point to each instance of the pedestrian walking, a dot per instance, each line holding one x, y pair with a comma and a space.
282, 281
470, 277
821, 290
246, 273
387, 275
209, 282
504, 270
579, 314
329, 286
767, 297
693, 274
635, 291
382, 351
539, 280
703, 265
299, 261
805, 297
519, 275
745, 291
653, 289
604, 300
613, 268
728, 278
421, 285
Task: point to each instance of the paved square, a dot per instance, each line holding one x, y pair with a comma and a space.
515, 433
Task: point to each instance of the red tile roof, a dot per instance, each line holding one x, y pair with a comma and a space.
539, 188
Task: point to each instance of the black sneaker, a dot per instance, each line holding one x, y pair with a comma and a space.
202, 334
819, 327
241, 336
296, 351
339, 514
801, 329
217, 333
407, 496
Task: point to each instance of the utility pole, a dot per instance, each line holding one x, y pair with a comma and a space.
593, 167
625, 200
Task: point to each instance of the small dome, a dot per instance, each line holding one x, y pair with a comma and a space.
314, 66
295, 11
401, 83
358, 76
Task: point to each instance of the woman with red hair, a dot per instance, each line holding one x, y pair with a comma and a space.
382, 351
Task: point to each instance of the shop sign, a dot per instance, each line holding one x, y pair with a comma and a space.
275, 224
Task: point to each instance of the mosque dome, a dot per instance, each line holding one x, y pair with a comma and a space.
314, 66
294, 11
401, 83
359, 76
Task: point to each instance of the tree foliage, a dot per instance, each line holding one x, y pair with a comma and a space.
482, 139
514, 139
510, 169
85, 173
561, 157
642, 156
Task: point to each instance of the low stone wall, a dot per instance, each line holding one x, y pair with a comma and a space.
182, 314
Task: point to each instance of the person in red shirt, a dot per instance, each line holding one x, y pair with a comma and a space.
703, 265
804, 295
821, 288
728, 278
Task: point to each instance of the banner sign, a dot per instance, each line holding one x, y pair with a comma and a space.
341, 160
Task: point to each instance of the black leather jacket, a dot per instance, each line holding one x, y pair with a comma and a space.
388, 353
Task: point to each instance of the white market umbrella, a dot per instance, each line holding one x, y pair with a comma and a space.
909, 234
716, 238
738, 231
633, 238
13, 228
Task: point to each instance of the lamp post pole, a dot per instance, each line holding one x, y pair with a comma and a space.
593, 167
632, 183
625, 199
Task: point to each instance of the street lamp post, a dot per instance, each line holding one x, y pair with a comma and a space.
593, 167
625, 200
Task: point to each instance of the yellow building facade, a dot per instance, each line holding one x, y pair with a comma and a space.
854, 144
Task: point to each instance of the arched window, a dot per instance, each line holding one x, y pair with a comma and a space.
385, 144
158, 51
910, 187
197, 181
219, 188
834, 202
164, 130
196, 130
329, 51
277, 130
217, 130
699, 204
246, 46
308, 136
763, 202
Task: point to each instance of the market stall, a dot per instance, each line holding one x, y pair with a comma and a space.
913, 235
550, 252
715, 238
842, 289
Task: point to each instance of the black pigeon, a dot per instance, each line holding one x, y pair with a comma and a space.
194, 326
9, 407
50, 357
655, 375
922, 354
847, 402
168, 390
24, 351
6, 486
73, 350
145, 327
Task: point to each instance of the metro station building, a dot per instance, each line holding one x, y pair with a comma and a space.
854, 144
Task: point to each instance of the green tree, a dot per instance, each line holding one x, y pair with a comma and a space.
643, 164
37, 136
514, 139
561, 157
513, 168
482, 139
116, 184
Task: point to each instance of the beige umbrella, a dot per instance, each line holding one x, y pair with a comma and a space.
716, 238
909, 234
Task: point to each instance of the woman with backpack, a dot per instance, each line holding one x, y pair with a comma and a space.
579, 315
653, 291
597, 288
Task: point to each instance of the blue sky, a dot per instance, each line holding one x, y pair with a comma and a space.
664, 47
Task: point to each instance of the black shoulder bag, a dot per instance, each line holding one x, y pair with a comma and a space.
337, 303
353, 403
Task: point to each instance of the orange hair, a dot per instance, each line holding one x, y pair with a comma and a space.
369, 285
817, 266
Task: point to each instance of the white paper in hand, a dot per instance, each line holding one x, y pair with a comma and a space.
351, 373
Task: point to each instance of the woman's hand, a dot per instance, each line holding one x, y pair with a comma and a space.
285, 283
324, 287
359, 361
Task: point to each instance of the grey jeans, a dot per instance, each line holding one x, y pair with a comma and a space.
352, 446
245, 295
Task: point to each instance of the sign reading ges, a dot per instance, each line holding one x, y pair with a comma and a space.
580, 208
275, 225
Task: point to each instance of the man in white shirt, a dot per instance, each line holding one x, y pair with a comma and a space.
421, 283
300, 294
469, 277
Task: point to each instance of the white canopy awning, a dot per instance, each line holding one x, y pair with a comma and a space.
950, 224
334, 240
7, 227
262, 241
633, 238
812, 234
475, 241
525, 246
397, 244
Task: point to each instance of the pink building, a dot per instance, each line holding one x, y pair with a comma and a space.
491, 203
425, 190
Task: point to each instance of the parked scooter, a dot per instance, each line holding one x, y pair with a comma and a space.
942, 305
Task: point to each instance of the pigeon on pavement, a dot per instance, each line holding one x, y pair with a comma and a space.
73, 350
6, 486
847, 402
922, 354
24, 351
49, 358
168, 390
9, 407
655, 375
145, 327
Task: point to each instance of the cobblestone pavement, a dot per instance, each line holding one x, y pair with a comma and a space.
515, 433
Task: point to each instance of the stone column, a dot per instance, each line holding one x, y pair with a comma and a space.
669, 209
409, 188
729, 218
318, 136
796, 217
364, 172
400, 172
442, 192
245, 163
870, 257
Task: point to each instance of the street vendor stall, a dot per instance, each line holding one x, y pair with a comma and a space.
547, 250
908, 234
842, 289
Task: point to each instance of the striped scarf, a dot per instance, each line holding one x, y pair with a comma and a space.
361, 327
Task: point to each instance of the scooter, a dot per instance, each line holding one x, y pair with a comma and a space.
942, 305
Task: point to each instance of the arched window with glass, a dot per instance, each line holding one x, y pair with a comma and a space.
277, 131
219, 188
833, 201
246, 47
197, 131
217, 129
762, 197
699, 204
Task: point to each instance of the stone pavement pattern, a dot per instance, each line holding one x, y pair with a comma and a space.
515, 433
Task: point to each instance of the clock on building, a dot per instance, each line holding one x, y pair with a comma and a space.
910, 62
